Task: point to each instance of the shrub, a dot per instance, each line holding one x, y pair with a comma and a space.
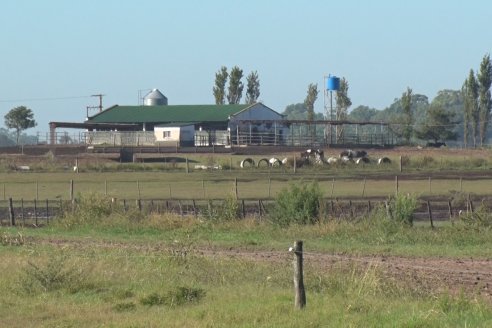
54, 275
479, 220
402, 207
228, 210
89, 209
125, 307
176, 297
8, 239
299, 204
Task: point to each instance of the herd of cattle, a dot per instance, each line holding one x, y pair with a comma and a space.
317, 157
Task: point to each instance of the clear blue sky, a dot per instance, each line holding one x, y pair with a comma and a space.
58, 49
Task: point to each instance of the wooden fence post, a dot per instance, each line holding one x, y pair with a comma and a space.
332, 187
22, 212
138, 189
71, 190
11, 212
401, 164
295, 164
36, 212
300, 292
187, 166
429, 211
235, 187
105, 187
364, 187
47, 212
450, 208
396, 185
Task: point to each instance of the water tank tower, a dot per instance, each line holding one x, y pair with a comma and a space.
155, 98
333, 83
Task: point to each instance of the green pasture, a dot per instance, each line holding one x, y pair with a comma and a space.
125, 273
251, 184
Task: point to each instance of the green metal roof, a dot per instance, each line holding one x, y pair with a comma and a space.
167, 114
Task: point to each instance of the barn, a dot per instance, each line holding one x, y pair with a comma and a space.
155, 122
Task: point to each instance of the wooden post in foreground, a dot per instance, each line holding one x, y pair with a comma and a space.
300, 292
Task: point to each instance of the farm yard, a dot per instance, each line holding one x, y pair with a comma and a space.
212, 261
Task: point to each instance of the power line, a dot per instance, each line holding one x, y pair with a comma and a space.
42, 99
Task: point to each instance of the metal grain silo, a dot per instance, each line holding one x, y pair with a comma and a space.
155, 98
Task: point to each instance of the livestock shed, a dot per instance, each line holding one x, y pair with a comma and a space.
202, 125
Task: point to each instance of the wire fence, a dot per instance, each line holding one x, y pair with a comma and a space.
38, 213
243, 187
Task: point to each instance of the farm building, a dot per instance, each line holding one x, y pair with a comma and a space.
155, 123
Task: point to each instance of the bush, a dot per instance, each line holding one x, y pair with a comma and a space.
227, 211
178, 296
299, 204
479, 220
89, 209
402, 207
54, 275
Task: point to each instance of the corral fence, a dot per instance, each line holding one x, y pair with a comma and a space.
38, 213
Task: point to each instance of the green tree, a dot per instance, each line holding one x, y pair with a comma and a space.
343, 104
312, 95
362, 114
252, 88
235, 91
19, 118
440, 125
299, 112
219, 88
452, 101
470, 107
406, 104
485, 103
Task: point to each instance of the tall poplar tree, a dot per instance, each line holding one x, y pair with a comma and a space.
484, 78
406, 104
235, 91
471, 108
312, 95
252, 88
219, 88
343, 103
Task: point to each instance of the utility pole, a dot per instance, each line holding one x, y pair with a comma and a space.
100, 96
100, 107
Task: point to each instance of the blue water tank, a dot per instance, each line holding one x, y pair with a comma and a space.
333, 83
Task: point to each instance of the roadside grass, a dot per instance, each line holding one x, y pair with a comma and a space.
128, 287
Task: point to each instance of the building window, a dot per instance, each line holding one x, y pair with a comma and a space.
166, 134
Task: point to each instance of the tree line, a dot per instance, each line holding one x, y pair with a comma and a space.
453, 114
236, 86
